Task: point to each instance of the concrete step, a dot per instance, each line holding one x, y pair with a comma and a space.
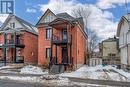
56, 69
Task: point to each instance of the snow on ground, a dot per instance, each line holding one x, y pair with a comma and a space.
5, 67
58, 81
99, 72
54, 81
28, 79
32, 70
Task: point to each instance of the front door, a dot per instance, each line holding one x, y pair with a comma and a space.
64, 55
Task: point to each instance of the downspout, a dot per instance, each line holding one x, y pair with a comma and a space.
76, 48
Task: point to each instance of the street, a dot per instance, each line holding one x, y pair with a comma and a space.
8, 83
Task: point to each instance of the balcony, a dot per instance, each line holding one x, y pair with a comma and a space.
17, 42
60, 40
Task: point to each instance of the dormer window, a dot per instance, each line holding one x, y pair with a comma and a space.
12, 25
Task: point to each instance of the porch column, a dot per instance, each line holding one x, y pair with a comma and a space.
5, 37
56, 53
14, 47
51, 46
68, 44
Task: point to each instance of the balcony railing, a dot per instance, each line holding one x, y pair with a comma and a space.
59, 39
12, 41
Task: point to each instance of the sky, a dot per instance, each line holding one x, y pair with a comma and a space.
104, 17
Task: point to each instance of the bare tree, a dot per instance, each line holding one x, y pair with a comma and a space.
92, 36
82, 12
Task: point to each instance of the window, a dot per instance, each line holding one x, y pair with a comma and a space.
64, 34
111, 55
49, 18
12, 25
48, 52
48, 33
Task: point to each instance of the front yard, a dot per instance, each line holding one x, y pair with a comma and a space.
36, 74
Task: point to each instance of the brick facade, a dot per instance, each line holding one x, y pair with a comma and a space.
78, 48
29, 52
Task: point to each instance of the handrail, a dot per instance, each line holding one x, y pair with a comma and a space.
16, 41
53, 60
59, 38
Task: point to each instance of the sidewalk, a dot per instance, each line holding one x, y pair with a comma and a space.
19, 74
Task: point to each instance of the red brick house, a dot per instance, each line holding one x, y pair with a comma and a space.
18, 41
62, 40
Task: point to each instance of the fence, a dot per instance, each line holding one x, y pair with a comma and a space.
95, 61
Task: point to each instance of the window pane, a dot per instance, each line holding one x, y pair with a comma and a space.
48, 33
48, 52
64, 34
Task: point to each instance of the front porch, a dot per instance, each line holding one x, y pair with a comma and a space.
11, 46
61, 46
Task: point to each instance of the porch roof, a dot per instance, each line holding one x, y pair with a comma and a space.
60, 21
11, 30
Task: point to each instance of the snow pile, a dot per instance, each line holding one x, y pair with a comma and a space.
32, 70
99, 72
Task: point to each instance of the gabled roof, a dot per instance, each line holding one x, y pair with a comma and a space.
64, 17
123, 18
46, 12
27, 26
111, 40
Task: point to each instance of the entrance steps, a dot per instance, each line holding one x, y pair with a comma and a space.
60, 68
57, 68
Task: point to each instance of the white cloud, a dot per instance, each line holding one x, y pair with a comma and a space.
99, 21
58, 6
102, 22
106, 4
31, 10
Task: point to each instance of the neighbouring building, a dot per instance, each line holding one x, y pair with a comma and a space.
123, 32
62, 40
109, 51
18, 41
